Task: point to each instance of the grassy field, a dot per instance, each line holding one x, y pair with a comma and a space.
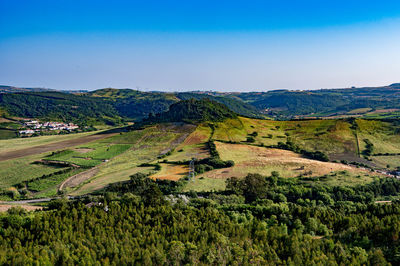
18, 170
343, 178
383, 161
96, 153
334, 137
15, 171
329, 136
22, 143
148, 144
102, 180
49, 182
205, 184
117, 157
251, 159
48, 187
383, 135
7, 134
359, 111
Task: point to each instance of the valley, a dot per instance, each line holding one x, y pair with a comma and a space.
201, 159
88, 162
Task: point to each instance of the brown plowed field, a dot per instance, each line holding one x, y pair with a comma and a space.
52, 146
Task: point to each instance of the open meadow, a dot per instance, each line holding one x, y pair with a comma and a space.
23, 169
147, 145
329, 136
115, 157
252, 159
23, 143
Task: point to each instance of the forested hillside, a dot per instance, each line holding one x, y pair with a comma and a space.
259, 220
135, 104
374, 102
103, 106
138, 104
237, 106
59, 106
194, 111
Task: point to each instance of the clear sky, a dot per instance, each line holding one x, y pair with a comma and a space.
199, 45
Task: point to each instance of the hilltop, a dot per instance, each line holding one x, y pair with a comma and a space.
194, 111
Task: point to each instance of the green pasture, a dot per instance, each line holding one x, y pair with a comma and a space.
22, 169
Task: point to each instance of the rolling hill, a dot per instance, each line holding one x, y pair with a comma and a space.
113, 105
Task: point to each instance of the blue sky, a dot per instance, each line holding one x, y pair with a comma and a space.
206, 45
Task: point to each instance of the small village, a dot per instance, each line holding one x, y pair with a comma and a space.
34, 126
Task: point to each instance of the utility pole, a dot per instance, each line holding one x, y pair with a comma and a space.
192, 173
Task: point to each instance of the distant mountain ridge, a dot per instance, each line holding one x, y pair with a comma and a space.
11, 89
113, 105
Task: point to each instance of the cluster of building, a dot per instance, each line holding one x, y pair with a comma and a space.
34, 126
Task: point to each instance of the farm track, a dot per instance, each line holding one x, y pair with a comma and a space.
77, 179
52, 146
90, 174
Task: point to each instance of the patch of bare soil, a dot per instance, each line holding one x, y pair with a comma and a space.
171, 172
5, 207
52, 146
383, 202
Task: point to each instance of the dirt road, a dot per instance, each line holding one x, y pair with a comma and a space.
52, 146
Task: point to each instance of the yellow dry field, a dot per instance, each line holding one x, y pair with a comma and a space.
252, 159
171, 172
5, 207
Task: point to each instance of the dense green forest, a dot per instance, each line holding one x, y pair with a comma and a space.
194, 111
237, 106
258, 220
59, 106
135, 104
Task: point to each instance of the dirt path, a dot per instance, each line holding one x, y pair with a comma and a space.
52, 146
77, 179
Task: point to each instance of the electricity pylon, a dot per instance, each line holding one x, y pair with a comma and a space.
192, 173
